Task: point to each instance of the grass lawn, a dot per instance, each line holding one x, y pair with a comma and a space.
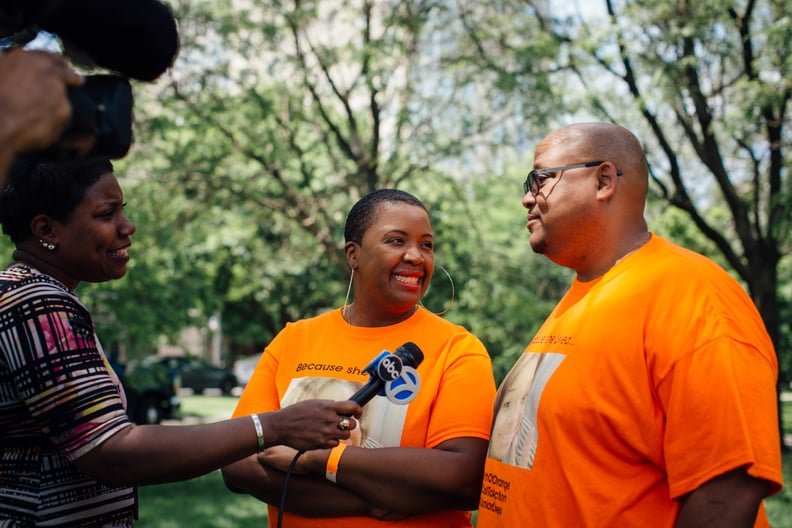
206, 503
199, 503
203, 502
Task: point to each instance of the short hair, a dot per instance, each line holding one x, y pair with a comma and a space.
34, 188
366, 211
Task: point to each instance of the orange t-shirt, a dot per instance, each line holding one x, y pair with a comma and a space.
319, 357
641, 386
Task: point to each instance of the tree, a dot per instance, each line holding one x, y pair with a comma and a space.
256, 158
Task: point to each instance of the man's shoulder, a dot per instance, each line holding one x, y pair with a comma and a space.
675, 259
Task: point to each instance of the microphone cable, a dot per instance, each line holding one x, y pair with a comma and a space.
285, 486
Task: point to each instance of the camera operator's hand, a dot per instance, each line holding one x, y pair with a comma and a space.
34, 107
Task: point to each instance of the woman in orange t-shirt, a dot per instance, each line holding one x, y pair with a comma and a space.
418, 464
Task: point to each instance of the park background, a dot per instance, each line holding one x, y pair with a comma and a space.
277, 116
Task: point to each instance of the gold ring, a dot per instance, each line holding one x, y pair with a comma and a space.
344, 424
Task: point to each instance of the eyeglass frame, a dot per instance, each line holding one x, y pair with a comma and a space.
532, 180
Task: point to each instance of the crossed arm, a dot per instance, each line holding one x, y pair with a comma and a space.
388, 483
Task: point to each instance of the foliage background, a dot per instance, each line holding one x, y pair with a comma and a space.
277, 116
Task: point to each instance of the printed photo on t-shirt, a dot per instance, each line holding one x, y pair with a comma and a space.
514, 431
380, 425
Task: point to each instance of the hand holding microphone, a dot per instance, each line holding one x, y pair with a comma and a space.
305, 425
392, 375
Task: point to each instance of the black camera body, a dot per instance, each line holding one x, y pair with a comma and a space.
132, 39
101, 111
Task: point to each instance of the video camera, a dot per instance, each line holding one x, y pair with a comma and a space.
132, 39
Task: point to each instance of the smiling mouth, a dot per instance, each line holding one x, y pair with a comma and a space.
412, 281
123, 252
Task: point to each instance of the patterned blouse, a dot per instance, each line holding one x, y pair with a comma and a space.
59, 399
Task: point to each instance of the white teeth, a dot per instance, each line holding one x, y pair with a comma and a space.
120, 253
407, 280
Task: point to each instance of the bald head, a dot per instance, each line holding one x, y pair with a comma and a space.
607, 142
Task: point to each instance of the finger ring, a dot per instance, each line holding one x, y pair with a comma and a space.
344, 424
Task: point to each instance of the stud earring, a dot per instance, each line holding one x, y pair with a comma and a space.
47, 245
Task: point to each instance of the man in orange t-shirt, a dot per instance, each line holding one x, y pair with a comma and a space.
647, 398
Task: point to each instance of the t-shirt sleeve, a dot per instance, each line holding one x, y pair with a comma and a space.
463, 407
62, 375
722, 414
261, 393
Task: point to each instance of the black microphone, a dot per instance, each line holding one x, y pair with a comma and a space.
134, 38
387, 367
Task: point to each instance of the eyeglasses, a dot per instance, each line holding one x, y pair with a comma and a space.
537, 177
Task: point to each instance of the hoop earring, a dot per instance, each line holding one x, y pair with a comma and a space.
451, 303
345, 312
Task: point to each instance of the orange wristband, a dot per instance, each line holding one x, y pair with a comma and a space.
333, 460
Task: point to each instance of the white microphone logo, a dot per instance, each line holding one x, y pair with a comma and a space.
404, 389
